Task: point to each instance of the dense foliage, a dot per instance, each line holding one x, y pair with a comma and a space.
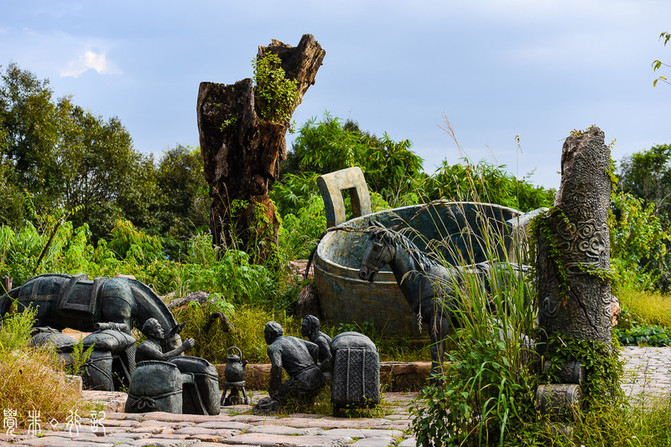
390, 167
60, 156
647, 175
275, 96
486, 183
639, 241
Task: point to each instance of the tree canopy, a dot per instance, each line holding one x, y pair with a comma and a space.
56, 155
329, 145
647, 175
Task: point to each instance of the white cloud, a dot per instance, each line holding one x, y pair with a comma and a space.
90, 60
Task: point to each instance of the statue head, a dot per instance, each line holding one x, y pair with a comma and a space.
272, 331
153, 329
310, 326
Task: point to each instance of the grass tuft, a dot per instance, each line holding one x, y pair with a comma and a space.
33, 379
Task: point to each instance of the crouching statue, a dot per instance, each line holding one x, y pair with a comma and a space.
299, 358
169, 381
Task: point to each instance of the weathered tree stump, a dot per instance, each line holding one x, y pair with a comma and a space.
242, 153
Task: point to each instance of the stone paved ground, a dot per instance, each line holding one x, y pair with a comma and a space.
647, 373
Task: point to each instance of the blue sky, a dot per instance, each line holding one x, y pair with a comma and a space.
497, 69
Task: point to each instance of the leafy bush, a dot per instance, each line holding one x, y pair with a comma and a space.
390, 167
638, 244
485, 182
644, 336
275, 96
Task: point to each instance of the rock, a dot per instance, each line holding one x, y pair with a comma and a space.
199, 297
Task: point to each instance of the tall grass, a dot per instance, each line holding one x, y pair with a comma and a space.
32, 380
486, 395
646, 306
213, 340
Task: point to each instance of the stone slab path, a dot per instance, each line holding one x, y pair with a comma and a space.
647, 373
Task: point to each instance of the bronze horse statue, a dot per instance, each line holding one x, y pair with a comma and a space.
78, 303
427, 285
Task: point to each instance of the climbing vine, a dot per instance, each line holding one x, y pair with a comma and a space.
602, 363
542, 229
275, 96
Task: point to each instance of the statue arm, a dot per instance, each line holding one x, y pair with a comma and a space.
188, 344
313, 349
151, 350
275, 370
325, 354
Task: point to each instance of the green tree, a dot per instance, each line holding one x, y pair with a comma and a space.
657, 64
647, 175
390, 167
12, 210
103, 177
185, 203
30, 120
65, 157
484, 182
638, 241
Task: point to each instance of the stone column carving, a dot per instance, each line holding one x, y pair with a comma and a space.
574, 245
573, 260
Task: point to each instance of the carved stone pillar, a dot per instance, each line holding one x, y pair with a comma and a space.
574, 245
573, 260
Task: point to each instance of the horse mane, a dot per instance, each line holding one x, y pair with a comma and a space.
424, 261
152, 300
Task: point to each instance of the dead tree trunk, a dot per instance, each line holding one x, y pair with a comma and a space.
242, 152
574, 244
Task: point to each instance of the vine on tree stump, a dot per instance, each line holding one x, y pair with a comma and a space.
242, 130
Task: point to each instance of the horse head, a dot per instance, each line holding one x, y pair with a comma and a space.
380, 251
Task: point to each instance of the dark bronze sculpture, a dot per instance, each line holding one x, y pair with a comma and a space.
152, 347
155, 386
114, 347
169, 381
356, 372
299, 358
235, 379
200, 385
75, 302
427, 285
111, 361
310, 329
